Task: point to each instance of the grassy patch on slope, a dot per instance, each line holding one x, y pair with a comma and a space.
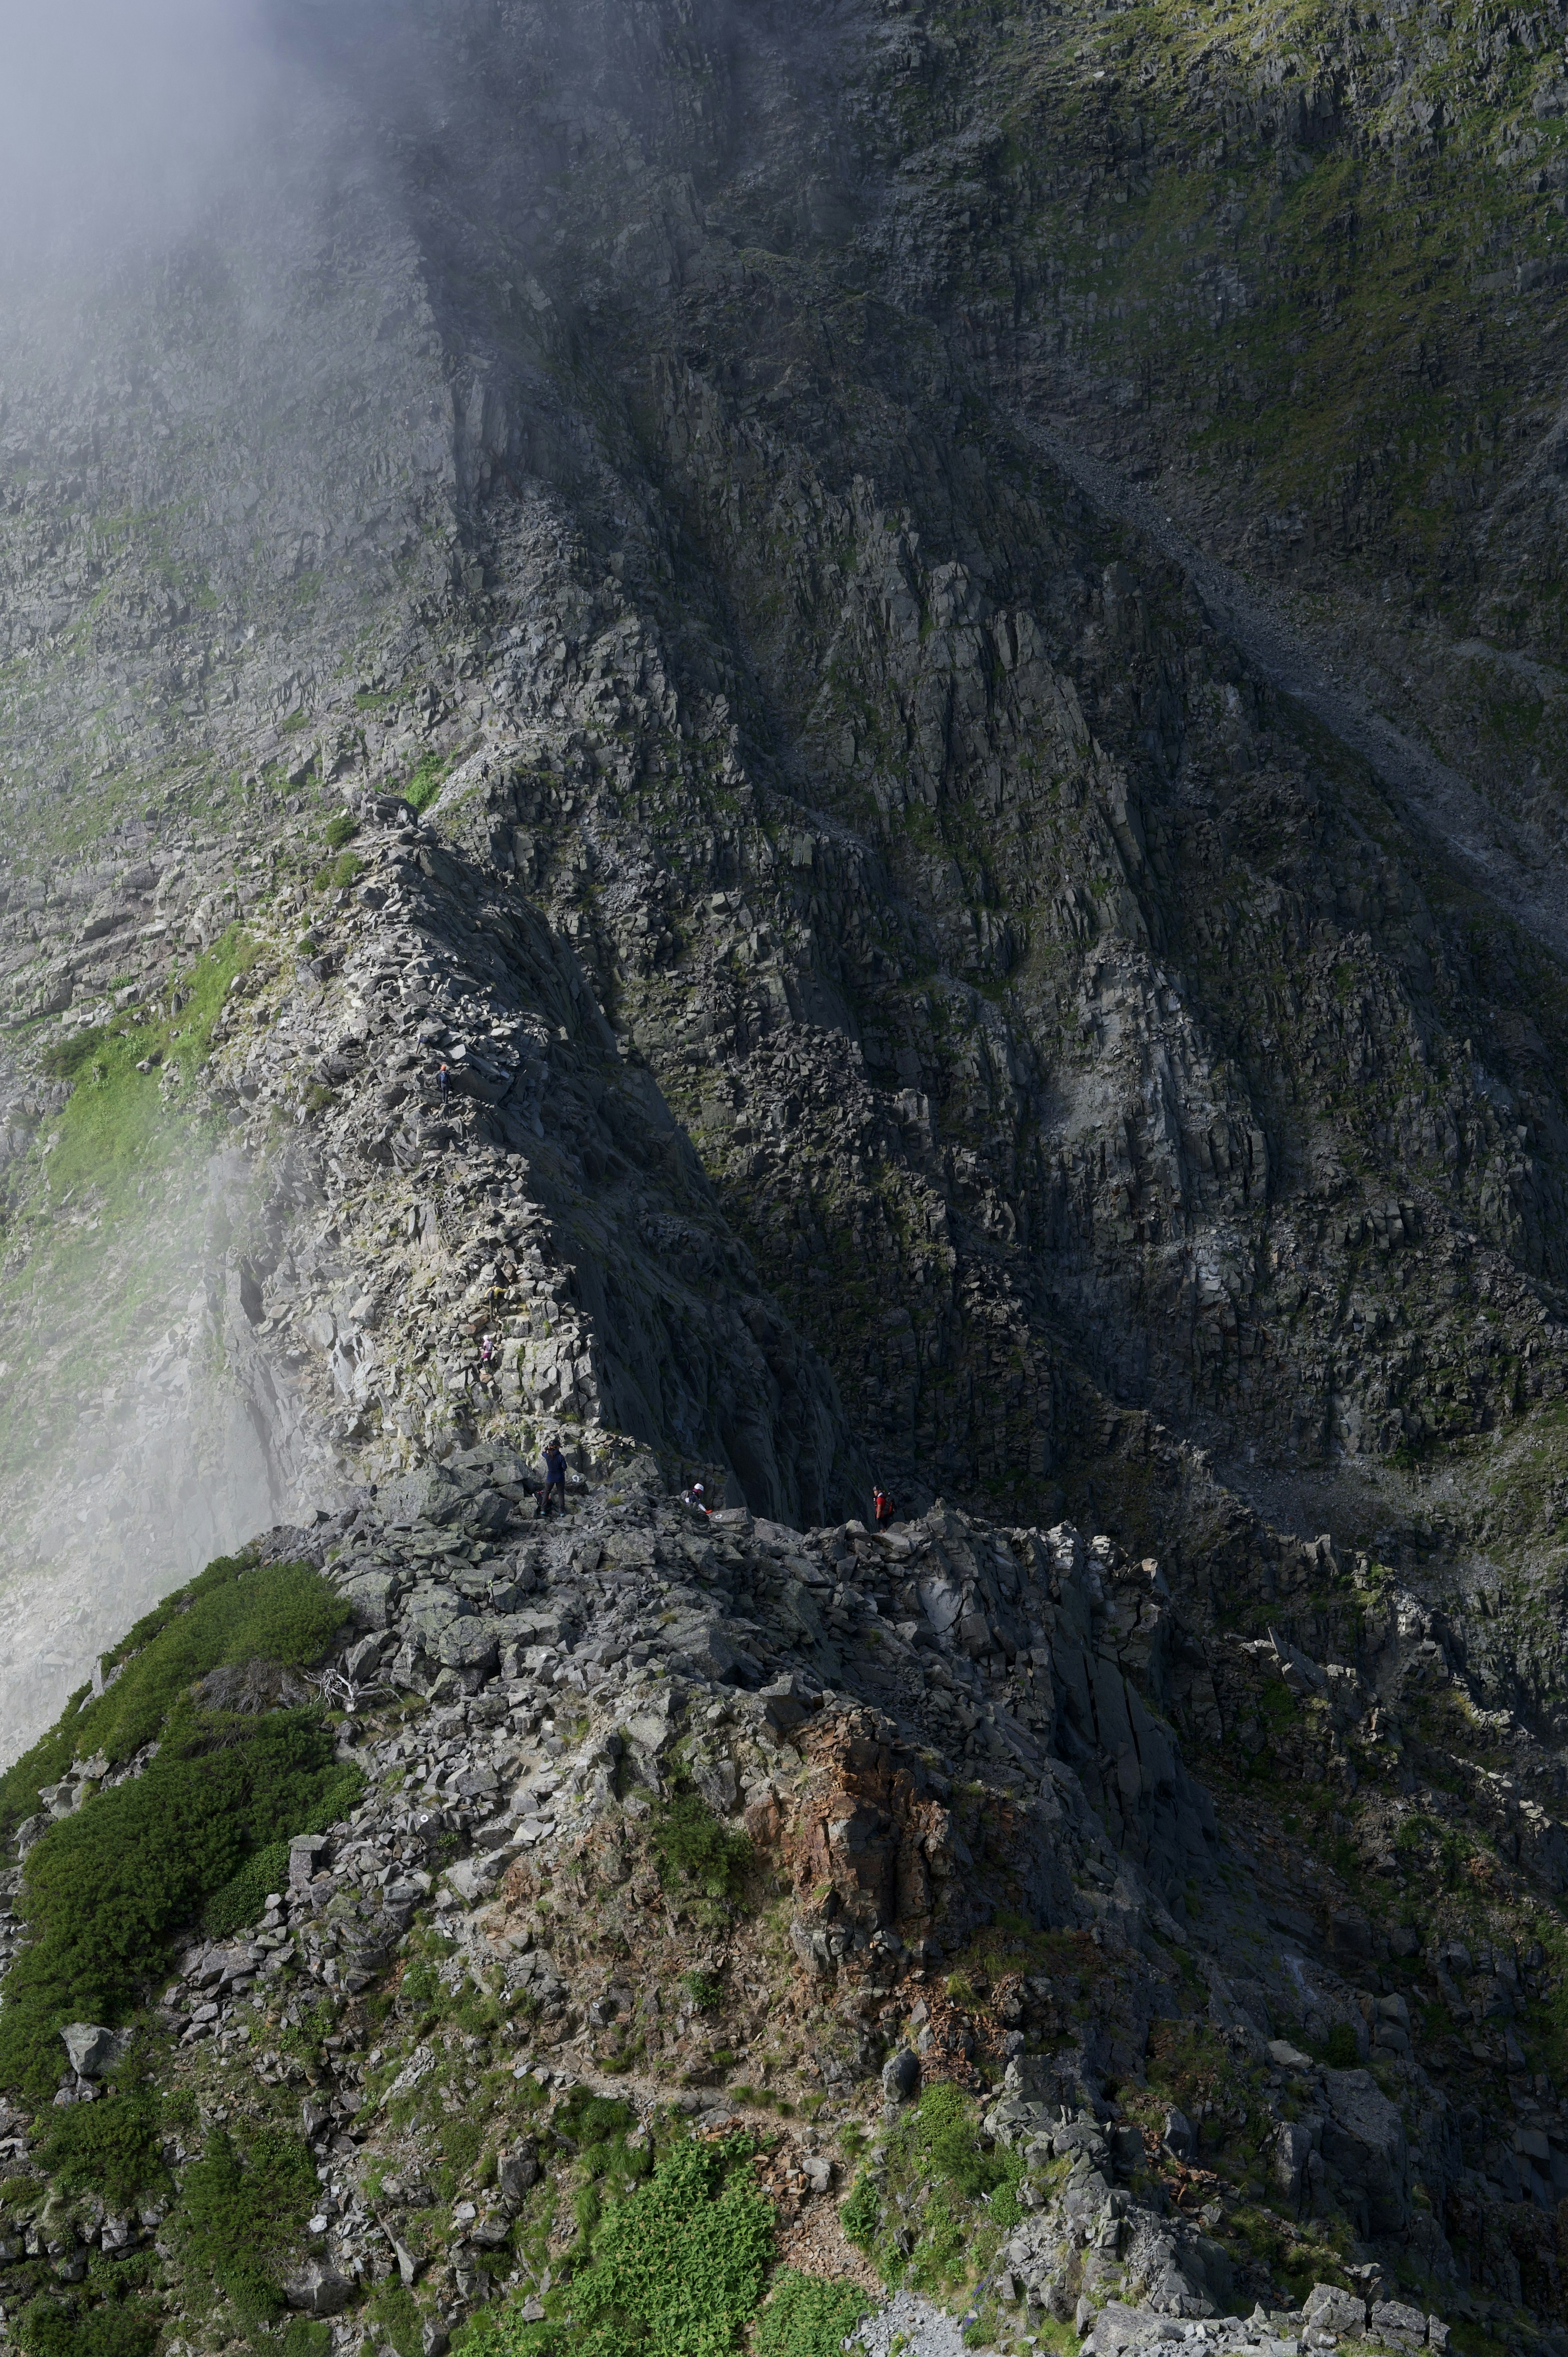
961, 2200
678, 2268
105, 1888
243, 2205
117, 1121
233, 1612
109, 1205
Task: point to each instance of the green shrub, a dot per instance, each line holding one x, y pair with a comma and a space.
117, 1121
677, 2270
339, 873
341, 830
426, 782
808, 2318
396, 2312
460, 2140
305, 2336
862, 2213
103, 1890
234, 1612
598, 2126
1342, 2051
119, 2329
239, 2210
69, 1059
702, 1989
690, 1842
112, 2147
243, 1895
942, 2131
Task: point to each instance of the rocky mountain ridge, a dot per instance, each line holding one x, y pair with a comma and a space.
942, 1832
636, 808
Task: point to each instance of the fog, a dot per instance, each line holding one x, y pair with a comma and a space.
119, 117
271, 404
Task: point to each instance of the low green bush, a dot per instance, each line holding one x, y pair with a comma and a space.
428, 778
339, 873
118, 1121
234, 1612
104, 1891
862, 2214
306, 2336
1341, 2050
340, 830
396, 2312
240, 2210
958, 2199
461, 2140
69, 1059
677, 2268
47, 2327
242, 1898
805, 2317
690, 1842
941, 2132
112, 2147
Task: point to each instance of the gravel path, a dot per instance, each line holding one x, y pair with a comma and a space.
927, 2331
1504, 860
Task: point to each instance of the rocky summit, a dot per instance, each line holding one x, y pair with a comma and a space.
820, 751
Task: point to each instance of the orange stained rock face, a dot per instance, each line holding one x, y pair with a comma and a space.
862, 1832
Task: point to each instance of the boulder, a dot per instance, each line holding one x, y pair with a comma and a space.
425, 1495
307, 1853
1364, 2145
1293, 2150
486, 1513
786, 1704
90, 2047
1394, 2320
473, 1878
516, 2173
1333, 2310
1350, 1936
369, 1597
318, 2289
469, 1646
900, 2076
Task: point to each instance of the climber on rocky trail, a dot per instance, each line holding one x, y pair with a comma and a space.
882, 1508
443, 1081
554, 1479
